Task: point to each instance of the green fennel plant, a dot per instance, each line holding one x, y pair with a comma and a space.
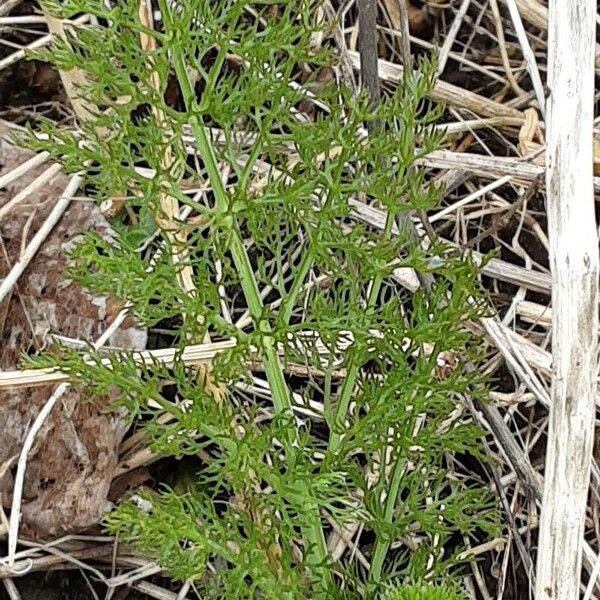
333, 412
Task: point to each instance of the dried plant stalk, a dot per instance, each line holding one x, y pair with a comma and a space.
575, 266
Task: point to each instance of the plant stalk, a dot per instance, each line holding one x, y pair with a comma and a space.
281, 395
382, 545
341, 408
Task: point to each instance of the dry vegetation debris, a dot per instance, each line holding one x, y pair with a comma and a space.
72, 464
492, 67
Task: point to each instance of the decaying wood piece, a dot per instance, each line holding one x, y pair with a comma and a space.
575, 266
72, 464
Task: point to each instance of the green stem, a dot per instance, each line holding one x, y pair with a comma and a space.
273, 368
274, 371
382, 545
287, 306
341, 408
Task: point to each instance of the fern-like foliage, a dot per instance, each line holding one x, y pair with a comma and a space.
336, 409
423, 592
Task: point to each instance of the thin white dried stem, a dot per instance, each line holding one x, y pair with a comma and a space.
23, 168
22, 20
15, 515
528, 55
195, 354
593, 580
130, 577
35, 185
470, 198
502, 47
15, 57
487, 166
39, 237
185, 588
74, 79
451, 36
465, 126
15, 512
514, 356
404, 34
170, 220
444, 92
11, 589
154, 591
8, 6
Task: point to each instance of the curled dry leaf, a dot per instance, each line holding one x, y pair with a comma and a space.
532, 143
71, 466
531, 138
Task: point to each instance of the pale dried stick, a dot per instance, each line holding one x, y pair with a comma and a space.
73, 79
496, 268
575, 267
154, 591
23, 168
465, 126
502, 47
516, 352
170, 220
444, 92
536, 13
9, 5
470, 198
487, 166
451, 36
42, 416
15, 514
404, 35
11, 589
345, 67
15, 57
185, 588
531, 312
35, 185
593, 580
15, 511
192, 355
39, 237
83, 110
21, 20
147, 570
533, 12
528, 55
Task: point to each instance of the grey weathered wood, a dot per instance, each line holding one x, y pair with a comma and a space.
367, 38
574, 265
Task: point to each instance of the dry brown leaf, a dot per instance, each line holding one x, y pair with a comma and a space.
71, 466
